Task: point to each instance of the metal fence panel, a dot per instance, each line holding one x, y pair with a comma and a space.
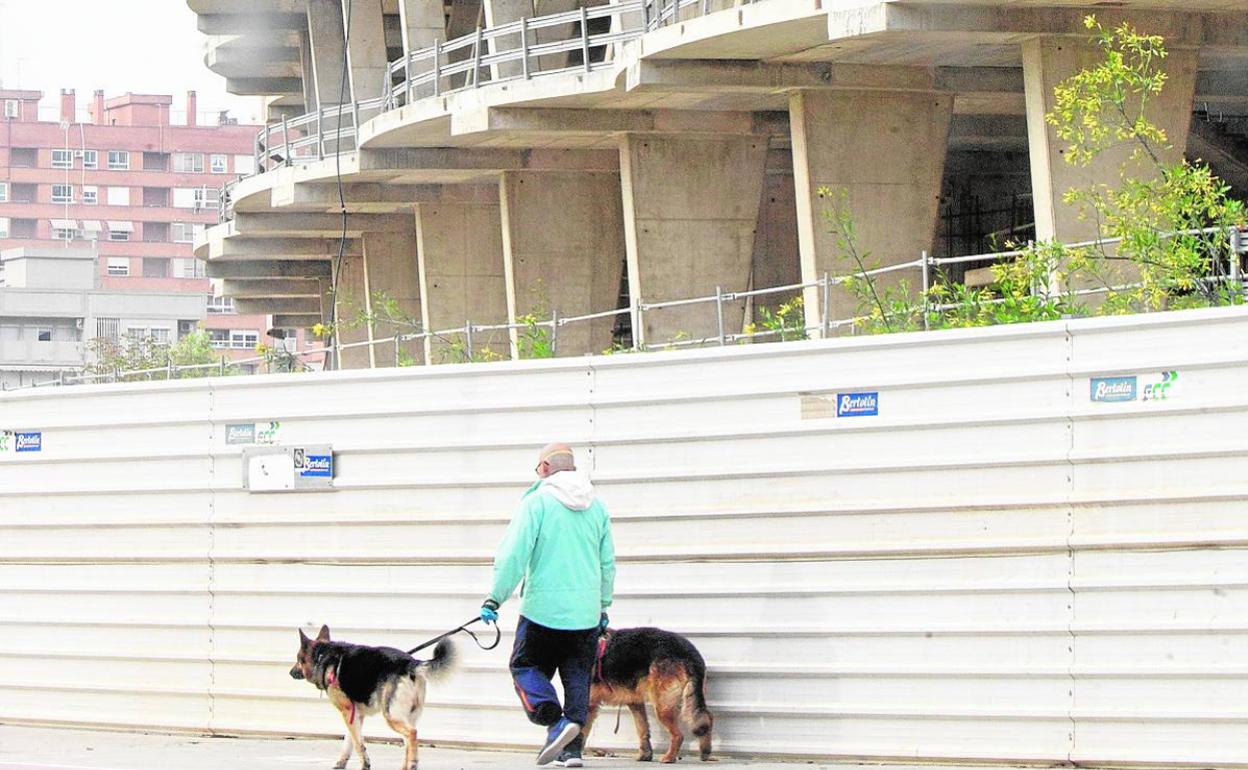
986, 564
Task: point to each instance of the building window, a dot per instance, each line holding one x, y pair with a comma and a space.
185, 232
189, 268
156, 232
118, 235
23, 157
118, 160
119, 266
12, 108
220, 306
219, 338
62, 193
136, 333
155, 268
108, 329
244, 339
62, 159
63, 234
188, 162
90, 195
90, 159
4, 227
4, 192
45, 335
218, 165
155, 197
159, 336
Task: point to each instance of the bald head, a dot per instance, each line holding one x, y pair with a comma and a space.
554, 458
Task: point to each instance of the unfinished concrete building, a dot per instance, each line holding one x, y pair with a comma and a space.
499, 158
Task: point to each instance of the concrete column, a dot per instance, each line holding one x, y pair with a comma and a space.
563, 246
777, 261
351, 301
391, 269
306, 66
366, 52
460, 248
421, 22
886, 151
325, 45
552, 34
498, 12
690, 209
1047, 61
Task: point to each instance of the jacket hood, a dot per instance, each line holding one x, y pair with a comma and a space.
572, 488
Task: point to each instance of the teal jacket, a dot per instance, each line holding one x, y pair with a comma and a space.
559, 543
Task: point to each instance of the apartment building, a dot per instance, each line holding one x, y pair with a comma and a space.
124, 183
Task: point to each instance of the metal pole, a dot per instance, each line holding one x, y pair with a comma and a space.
168, 365
524, 46
437, 67
320, 130
645, 14
407, 77
926, 285
468, 338
719, 312
397, 339
222, 364
286, 140
585, 36
476, 59
355, 120
824, 314
634, 313
554, 332
1236, 241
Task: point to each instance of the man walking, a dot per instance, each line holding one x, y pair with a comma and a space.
559, 543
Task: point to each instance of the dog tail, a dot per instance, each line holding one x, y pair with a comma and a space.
443, 660
694, 702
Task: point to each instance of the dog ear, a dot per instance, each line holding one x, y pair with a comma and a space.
303, 639
323, 636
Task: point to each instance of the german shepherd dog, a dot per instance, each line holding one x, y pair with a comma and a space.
364, 680
637, 666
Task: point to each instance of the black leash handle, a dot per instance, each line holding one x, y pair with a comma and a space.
498, 636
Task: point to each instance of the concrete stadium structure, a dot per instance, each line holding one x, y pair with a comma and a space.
504, 157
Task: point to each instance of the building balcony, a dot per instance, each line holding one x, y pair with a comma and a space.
18, 353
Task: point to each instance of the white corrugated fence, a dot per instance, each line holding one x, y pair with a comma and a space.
982, 562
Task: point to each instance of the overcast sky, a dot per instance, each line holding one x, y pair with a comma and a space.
140, 46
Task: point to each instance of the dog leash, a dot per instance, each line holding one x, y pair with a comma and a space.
498, 635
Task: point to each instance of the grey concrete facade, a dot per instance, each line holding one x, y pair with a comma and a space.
726, 125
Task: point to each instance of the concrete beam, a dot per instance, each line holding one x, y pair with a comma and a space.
421, 22
1181, 29
361, 197
325, 43
264, 86
300, 305
245, 23
550, 121
318, 225
297, 321
280, 248
270, 269
263, 288
254, 62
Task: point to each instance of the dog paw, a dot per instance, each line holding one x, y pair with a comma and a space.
340, 764
645, 757
709, 758
667, 759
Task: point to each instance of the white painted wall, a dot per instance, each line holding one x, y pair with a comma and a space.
994, 567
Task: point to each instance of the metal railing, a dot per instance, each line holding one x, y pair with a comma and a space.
468, 340
520, 50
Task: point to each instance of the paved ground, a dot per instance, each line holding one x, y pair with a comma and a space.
25, 748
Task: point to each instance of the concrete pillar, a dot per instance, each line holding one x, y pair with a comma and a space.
498, 12
421, 22
393, 275
777, 261
325, 45
351, 302
366, 51
563, 246
886, 151
1047, 61
555, 33
460, 248
690, 209
306, 66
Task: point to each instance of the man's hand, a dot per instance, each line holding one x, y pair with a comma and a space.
603, 622
489, 612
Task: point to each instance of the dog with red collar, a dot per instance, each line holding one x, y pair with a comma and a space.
362, 680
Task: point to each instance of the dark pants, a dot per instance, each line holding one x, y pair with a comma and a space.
538, 653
